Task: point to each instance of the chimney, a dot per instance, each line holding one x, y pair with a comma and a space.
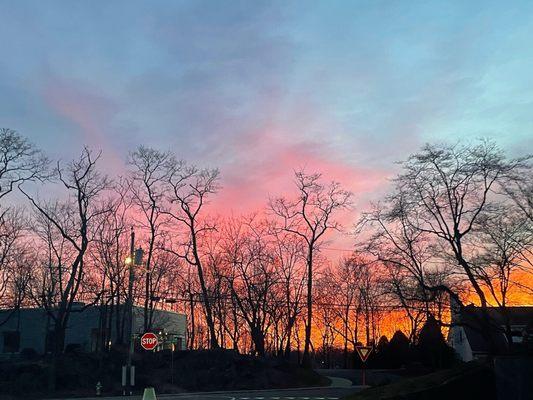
455, 308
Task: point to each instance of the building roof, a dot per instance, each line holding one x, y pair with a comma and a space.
470, 317
518, 316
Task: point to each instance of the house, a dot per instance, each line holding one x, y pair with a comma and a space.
470, 341
31, 328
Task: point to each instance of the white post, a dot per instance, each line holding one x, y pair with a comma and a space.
124, 380
132, 376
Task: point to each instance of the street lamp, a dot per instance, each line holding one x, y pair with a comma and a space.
134, 258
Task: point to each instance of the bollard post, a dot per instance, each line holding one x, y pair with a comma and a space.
149, 394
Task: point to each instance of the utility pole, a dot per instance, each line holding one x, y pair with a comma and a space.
128, 374
147, 301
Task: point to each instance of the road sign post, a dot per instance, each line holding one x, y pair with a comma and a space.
149, 341
364, 352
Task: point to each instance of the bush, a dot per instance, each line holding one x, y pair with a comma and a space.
29, 354
73, 348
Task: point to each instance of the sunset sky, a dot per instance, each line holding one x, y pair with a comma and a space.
261, 88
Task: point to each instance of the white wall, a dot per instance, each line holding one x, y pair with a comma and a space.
458, 340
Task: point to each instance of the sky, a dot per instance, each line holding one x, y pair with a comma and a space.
260, 89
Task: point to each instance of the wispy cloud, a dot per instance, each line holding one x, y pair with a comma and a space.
262, 88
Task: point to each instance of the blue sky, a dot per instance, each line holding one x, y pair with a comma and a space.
261, 88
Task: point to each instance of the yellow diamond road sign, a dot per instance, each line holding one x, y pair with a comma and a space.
364, 352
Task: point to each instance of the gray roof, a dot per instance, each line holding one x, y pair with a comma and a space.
471, 317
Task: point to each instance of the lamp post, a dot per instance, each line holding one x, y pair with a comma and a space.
135, 258
127, 373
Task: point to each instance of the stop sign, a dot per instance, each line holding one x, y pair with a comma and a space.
149, 341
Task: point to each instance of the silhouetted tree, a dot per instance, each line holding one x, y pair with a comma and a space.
381, 356
432, 349
149, 171
189, 189
309, 216
399, 350
67, 229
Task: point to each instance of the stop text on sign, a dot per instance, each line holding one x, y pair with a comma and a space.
149, 341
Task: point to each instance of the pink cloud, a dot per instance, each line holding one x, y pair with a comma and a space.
90, 113
265, 163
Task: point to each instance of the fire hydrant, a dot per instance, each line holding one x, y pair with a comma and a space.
99, 388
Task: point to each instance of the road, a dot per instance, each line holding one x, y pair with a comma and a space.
316, 393
321, 393
373, 376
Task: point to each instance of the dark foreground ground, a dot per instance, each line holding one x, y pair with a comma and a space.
229, 376
186, 371
468, 381
323, 393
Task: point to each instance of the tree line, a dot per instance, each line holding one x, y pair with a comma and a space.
456, 224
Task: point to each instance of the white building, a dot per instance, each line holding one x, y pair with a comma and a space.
32, 328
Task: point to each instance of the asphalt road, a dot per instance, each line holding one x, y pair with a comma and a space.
373, 376
318, 393
321, 393
340, 387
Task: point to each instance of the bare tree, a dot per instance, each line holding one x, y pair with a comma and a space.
346, 279
309, 216
405, 250
223, 249
431, 217
148, 174
327, 316
188, 190
404, 291
406, 256
518, 185
289, 253
254, 277
68, 230
111, 248
20, 161
503, 248
15, 258
447, 189
71, 222
369, 295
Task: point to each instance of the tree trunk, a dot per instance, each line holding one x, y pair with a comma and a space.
207, 302
57, 351
259, 341
287, 351
306, 358
193, 322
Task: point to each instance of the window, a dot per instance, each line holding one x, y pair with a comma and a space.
11, 342
179, 344
517, 336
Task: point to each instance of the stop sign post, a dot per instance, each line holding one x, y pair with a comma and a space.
149, 341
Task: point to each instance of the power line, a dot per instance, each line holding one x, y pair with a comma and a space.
228, 299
